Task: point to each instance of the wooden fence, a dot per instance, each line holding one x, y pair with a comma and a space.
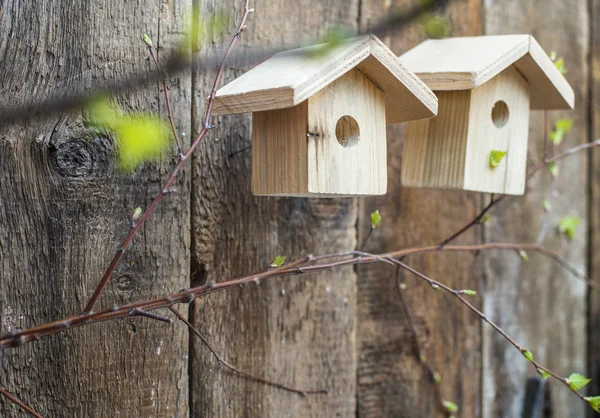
63, 210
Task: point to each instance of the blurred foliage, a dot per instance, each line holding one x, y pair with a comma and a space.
561, 129
435, 26
334, 38
138, 138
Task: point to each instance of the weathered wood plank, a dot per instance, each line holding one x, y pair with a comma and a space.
537, 302
594, 209
299, 331
391, 381
63, 211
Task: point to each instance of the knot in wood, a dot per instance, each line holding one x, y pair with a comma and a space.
74, 159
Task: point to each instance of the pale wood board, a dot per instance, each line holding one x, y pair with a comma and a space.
288, 162
360, 169
468, 62
291, 77
484, 137
64, 209
537, 302
391, 381
435, 149
280, 152
305, 336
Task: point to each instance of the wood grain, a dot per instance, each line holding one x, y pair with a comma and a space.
299, 331
291, 77
391, 381
594, 210
286, 161
358, 169
465, 63
540, 305
64, 209
484, 136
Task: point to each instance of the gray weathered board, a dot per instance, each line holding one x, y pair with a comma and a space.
63, 211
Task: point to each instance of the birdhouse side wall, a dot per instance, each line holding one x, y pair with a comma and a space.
279, 151
347, 138
434, 149
498, 121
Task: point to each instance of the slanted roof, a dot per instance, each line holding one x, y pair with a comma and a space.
289, 78
466, 63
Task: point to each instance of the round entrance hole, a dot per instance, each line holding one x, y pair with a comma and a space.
347, 131
500, 114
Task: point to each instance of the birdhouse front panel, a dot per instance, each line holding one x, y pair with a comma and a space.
347, 138
498, 121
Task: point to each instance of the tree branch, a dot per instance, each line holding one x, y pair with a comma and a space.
234, 369
20, 404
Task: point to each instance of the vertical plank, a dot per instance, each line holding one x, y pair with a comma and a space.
64, 209
594, 206
537, 302
391, 381
299, 331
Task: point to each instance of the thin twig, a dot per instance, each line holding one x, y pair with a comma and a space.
459, 295
234, 369
475, 221
165, 190
17, 402
433, 374
299, 267
170, 113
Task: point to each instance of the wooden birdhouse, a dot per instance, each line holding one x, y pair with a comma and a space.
485, 86
319, 117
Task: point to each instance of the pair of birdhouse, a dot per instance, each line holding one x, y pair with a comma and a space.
319, 116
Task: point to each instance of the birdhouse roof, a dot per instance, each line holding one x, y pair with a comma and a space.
466, 63
289, 78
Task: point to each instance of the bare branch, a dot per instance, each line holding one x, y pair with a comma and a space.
234, 369
17, 402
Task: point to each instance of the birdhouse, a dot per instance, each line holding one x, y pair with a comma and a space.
319, 117
485, 86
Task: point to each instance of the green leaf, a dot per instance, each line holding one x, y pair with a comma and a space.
524, 255
527, 354
495, 158
485, 219
560, 65
568, 226
577, 381
543, 374
553, 168
470, 292
547, 205
561, 129
140, 138
147, 41
102, 114
594, 402
375, 219
435, 26
278, 261
450, 407
136, 214
435, 286
437, 377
